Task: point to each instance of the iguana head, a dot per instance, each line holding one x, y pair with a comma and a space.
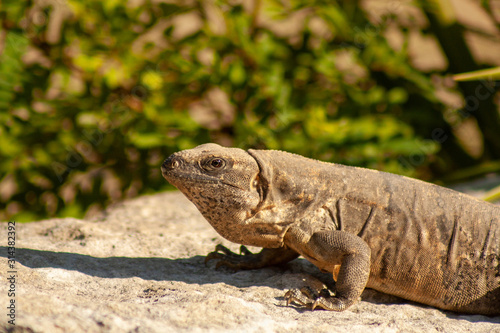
221, 182
211, 168
249, 197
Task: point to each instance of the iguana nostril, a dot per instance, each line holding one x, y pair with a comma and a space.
171, 163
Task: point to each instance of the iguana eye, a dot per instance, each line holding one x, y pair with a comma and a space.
215, 163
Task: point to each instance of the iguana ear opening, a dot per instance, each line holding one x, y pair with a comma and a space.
262, 178
259, 185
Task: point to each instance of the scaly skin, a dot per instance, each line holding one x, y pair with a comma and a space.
395, 234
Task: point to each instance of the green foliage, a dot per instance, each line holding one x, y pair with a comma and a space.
95, 94
490, 73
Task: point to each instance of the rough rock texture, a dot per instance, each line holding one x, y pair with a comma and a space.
140, 268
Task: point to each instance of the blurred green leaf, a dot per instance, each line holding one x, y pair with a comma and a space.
484, 74
492, 195
147, 140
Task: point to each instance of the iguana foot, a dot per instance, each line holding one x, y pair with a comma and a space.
232, 260
249, 260
310, 298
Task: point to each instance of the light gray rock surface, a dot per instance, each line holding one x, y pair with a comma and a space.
139, 268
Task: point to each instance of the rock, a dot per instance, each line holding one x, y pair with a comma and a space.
140, 268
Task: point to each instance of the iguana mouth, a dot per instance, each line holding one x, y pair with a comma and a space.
189, 177
193, 179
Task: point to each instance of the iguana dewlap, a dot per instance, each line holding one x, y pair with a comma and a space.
395, 234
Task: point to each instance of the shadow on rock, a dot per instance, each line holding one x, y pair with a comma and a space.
189, 270
159, 269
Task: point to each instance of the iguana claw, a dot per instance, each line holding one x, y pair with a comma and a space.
228, 258
306, 296
249, 260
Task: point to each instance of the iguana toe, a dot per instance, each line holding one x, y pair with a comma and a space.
297, 296
229, 259
308, 297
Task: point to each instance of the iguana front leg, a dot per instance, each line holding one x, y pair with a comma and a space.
328, 250
248, 260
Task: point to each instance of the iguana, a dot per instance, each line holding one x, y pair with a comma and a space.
397, 235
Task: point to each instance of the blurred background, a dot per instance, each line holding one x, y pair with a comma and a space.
95, 94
